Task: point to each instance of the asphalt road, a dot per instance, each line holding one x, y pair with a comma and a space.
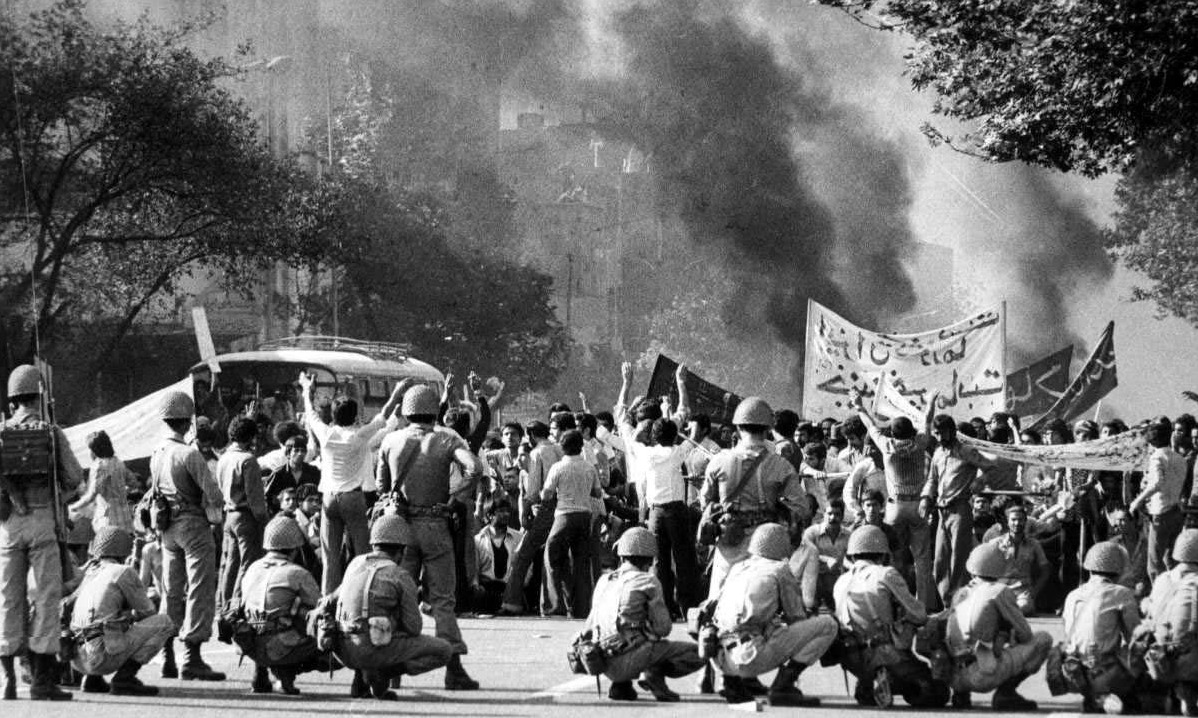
520, 663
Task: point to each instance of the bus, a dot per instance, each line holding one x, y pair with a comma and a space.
366, 371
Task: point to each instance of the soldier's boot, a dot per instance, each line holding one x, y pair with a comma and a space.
785, 692
734, 690
126, 683
359, 688
170, 669
194, 669
44, 667
94, 684
287, 681
621, 691
10, 677
380, 688
706, 684
655, 682
261, 682
962, 700
1007, 698
456, 677
754, 685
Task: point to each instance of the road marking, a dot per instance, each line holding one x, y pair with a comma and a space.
574, 685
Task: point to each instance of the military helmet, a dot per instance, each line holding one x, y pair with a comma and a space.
754, 411
986, 561
283, 533
637, 542
24, 380
868, 539
112, 542
770, 541
420, 400
1105, 557
1186, 546
177, 405
390, 529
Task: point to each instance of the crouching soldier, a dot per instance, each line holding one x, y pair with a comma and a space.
1100, 617
989, 638
1170, 628
877, 614
114, 623
276, 595
629, 620
379, 616
763, 625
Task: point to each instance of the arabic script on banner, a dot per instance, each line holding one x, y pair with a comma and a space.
962, 362
1096, 379
1036, 387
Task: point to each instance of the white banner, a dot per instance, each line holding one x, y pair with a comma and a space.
963, 362
1123, 452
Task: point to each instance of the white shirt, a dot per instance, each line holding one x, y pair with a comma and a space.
346, 459
659, 471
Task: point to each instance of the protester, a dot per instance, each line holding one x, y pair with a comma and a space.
109, 484
1026, 567
294, 471
571, 484
496, 544
536, 516
1160, 494
246, 512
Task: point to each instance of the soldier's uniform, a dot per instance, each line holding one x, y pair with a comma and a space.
276, 596
763, 625
1100, 617
379, 615
1172, 624
30, 561
989, 638
114, 623
188, 545
877, 613
773, 491
416, 461
630, 618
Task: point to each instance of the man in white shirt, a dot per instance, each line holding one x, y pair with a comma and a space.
663, 492
346, 461
1160, 495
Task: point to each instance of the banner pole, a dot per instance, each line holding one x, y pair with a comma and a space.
806, 358
1004, 352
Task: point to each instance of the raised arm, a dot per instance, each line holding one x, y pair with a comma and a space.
684, 399
625, 385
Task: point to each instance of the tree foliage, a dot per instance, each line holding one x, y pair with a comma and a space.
1087, 86
125, 164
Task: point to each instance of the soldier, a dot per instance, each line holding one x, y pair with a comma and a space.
379, 615
180, 472
763, 625
1100, 617
114, 622
416, 462
1172, 618
774, 495
989, 637
629, 613
277, 595
877, 612
30, 562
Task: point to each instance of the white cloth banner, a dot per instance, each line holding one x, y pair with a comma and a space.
135, 429
1123, 452
963, 362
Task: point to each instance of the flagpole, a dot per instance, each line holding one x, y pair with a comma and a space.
1004, 352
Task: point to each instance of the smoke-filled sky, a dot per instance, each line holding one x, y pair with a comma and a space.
785, 140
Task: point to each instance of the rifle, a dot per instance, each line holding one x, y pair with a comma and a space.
62, 525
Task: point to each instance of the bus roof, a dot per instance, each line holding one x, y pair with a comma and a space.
340, 362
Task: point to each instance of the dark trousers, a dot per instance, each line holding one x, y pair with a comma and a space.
242, 545
1162, 532
676, 566
530, 550
568, 550
954, 541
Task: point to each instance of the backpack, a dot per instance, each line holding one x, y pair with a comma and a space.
1176, 626
27, 452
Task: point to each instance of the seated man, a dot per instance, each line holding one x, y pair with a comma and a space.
1127, 535
826, 542
1027, 568
763, 624
876, 612
873, 513
277, 594
989, 638
378, 614
629, 617
496, 545
114, 623
1100, 617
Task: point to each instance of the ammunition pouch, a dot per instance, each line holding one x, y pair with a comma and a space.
585, 656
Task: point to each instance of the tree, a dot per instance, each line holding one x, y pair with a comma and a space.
402, 275
126, 164
1089, 86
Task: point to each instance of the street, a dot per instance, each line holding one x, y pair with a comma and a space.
520, 663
